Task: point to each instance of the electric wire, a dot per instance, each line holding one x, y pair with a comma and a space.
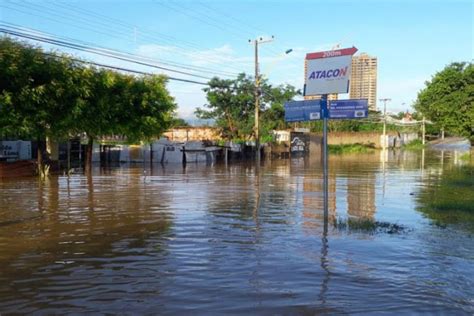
215, 61
124, 69
192, 45
122, 53
175, 7
91, 50
220, 24
125, 24
83, 20
237, 22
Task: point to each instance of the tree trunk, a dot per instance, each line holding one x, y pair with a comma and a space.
41, 159
88, 164
39, 154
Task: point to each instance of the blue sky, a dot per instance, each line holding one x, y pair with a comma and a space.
412, 39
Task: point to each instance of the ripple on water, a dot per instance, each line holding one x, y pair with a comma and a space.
231, 239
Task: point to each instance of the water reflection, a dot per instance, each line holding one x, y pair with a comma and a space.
448, 197
87, 225
235, 239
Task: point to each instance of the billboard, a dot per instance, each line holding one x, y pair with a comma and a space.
328, 72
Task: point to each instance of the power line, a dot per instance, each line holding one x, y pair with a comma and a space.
210, 21
58, 21
183, 11
120, 53
87, 21
220, 24
95, 29
161, 35
247, 25
125, 69
127, 25
82, 20
92, 50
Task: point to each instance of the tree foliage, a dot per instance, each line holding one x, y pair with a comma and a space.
179, 122
231, 103
38, 91
49, 95
448, 99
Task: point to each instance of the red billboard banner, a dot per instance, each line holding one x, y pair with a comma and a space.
332, 53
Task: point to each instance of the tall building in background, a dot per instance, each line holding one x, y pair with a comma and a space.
363, 83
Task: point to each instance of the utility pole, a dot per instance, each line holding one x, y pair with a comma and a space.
423, 131
384, 145
256, 42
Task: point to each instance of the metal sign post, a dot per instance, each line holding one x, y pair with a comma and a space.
311, 110
326, 72
324, 105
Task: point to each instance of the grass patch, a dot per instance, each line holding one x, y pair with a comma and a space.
465, 156
349, 149
416, 144
367, 225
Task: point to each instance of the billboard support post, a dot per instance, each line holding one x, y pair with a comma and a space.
327, 72
324, 106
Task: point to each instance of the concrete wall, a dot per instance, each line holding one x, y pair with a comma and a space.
369, 138
366, 138
184, 134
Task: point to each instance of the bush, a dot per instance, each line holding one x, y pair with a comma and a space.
349, 149
415, 144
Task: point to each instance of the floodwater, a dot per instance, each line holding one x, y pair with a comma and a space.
238, 239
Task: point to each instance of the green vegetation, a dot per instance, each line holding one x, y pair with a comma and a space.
366, 225
449, 198
232, 106
416, 144
465, 156
179, 122
47, 95
349, 149
448, 100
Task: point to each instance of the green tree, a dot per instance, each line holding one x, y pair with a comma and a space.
138, 108
231, 103
179, 122
273, 111
46, 95
95, 115
448, 99
39, 93
147, 108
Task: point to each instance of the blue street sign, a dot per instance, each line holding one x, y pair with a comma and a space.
307, 110
310, 110
348, 109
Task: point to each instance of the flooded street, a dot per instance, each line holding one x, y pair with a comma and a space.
240, 239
